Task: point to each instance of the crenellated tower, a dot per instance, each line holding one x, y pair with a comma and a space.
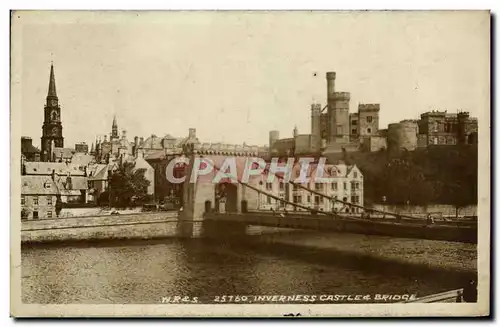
338, 112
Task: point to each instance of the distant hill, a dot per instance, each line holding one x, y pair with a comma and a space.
437, 174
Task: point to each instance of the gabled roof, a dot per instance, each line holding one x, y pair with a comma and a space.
67, 153
81, 159
77, 183
29, 148
46, 168
38, 185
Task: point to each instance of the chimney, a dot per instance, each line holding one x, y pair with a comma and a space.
26, 142
140, 153
124, 134
141, 140
105, 138
136, 140
69, 183
192, 133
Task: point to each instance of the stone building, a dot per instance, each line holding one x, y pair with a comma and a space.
336, 130
114, 148
45, 183
346, 185
38, 197
30, 152
82, 147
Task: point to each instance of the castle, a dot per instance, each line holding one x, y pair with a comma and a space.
334, 129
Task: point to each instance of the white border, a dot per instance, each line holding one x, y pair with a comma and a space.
311, 4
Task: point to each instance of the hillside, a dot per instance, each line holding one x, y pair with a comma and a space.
446, 175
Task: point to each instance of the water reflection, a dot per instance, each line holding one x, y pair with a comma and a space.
147, 271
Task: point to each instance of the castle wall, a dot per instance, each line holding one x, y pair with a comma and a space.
305, 144
402, 135
373, 143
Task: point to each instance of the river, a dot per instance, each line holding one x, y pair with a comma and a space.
149, 271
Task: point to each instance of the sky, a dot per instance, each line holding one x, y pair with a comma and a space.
235, 76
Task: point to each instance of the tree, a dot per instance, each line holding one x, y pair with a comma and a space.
128, 185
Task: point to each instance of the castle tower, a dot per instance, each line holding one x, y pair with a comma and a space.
316, 125
114, 130
273, 137
338, 112
52, 126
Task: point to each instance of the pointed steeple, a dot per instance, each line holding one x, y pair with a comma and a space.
52, 83
114, 129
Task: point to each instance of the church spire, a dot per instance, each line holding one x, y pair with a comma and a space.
52, 83
114, 129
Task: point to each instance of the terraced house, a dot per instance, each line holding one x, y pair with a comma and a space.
46, 185
345, 184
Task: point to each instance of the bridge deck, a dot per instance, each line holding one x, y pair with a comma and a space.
388, 227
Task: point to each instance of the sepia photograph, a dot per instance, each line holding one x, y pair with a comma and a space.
250, 163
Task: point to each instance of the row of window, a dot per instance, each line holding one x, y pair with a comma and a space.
317, 199
35, 200
317, 186
369, 119
35, 215
354, 131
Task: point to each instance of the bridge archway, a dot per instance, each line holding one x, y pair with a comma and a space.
228, 194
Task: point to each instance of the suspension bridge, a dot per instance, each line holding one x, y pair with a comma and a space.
241, 209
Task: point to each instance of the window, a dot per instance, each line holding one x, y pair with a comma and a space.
318, 186
49, 214
369, 119
297, 199
368, 130
345, 185
339, 130
354, 123
269, 200
344, 199
334, 186
353, 185
355, 199
282, 186
435, 139
354, 131
49, 200
355, 174
357, 186
22, 200
316, 199
269, 186
35, 214
308, 199
35, 201
295, 187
